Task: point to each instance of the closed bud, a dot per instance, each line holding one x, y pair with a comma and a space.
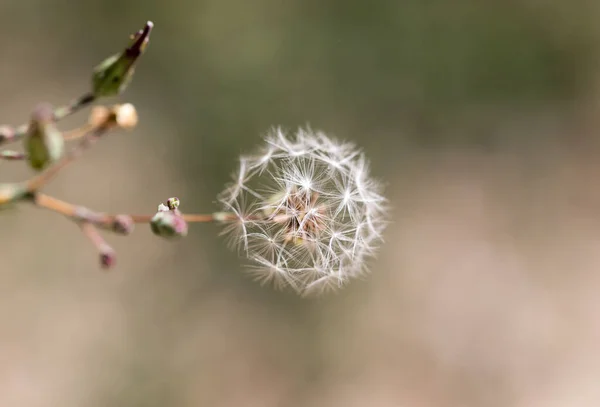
108, 259
112, 76
123, 225
43, 142
123, 116
169, 224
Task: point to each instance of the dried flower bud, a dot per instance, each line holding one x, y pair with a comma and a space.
123, 225
125, 116
169, 224
112, 76
43, 142
108, 258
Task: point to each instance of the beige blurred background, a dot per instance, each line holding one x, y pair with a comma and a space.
480, 116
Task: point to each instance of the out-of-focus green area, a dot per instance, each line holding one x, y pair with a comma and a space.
480, 116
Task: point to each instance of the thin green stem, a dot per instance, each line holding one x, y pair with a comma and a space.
74, 106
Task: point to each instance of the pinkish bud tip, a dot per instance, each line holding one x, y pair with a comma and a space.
108, 260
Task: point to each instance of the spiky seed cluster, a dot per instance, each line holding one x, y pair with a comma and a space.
308, 213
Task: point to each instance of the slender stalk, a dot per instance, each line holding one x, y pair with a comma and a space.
77, 133
74, 106
81, 213
94, 235
107, 253
190, 218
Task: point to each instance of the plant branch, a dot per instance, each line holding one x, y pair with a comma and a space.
77, 213
107, 253
74, 106
49, 174
78, 133
106, 221
11, 134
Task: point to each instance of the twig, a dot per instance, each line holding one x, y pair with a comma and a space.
47, 175
10, 134
107, 253
77, 133
107, 221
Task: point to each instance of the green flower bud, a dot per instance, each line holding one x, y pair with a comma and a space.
112, 76
169, 224
43, 142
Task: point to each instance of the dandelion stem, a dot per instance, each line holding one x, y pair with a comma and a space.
199, 218
190, 218
107, 221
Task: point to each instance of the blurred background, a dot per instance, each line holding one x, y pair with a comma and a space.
480, 116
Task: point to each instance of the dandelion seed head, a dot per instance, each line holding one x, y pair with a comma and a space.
307, 213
